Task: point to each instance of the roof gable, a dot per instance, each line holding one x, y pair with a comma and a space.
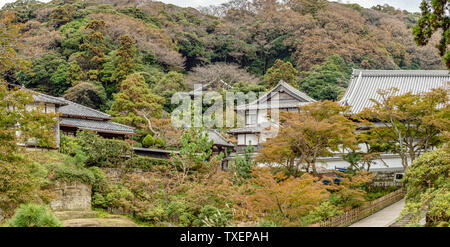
218, 139
364, 84
297, 97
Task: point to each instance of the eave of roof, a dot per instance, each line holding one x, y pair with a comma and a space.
257, 129
97, 125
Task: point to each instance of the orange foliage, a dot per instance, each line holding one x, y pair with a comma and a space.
281, 199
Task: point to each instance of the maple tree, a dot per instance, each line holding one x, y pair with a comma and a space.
410, 123
317, 131
21, 125
428, 187
195, 151
282, 199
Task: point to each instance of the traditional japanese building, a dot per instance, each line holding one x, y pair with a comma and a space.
283, 97
364, 86
76, 117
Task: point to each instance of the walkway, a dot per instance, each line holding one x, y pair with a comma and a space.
382, 218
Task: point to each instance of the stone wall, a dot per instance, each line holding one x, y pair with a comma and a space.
116, 174
385, 178
71, 196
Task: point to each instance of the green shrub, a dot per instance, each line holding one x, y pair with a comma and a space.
99, 178
213, 217
94, 150
439, 209
70, 173
268, 223
99, 201
323, 212
160, 143
156, 214
68, 145
146, 163
32, 215
179, 212
374, 193
427, 185
150, 141
115, 196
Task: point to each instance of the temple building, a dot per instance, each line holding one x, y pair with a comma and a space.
76, 117
283, 97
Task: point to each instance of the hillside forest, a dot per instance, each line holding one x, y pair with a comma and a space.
84, 49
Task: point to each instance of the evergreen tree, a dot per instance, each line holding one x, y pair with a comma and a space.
93, 47
135, 104
126, 54
281, 71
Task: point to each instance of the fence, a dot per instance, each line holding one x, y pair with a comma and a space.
356, 214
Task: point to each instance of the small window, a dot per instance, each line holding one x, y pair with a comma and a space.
398, 177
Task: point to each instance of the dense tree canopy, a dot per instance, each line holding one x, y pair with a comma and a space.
434, 18
242, 43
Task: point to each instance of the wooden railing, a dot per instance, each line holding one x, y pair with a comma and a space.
356, 214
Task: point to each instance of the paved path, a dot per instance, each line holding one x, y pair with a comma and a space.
382, 218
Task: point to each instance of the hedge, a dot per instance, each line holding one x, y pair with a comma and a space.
147, 163
70, 173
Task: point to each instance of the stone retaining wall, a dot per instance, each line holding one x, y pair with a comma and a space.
386, 178
71, 196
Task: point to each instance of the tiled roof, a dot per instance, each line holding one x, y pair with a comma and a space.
97, 125
258, 104
83, 117
253, 129
77, 110
40, 97
218, 139
364, 84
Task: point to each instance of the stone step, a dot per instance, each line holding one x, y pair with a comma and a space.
67, 215
100, 222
